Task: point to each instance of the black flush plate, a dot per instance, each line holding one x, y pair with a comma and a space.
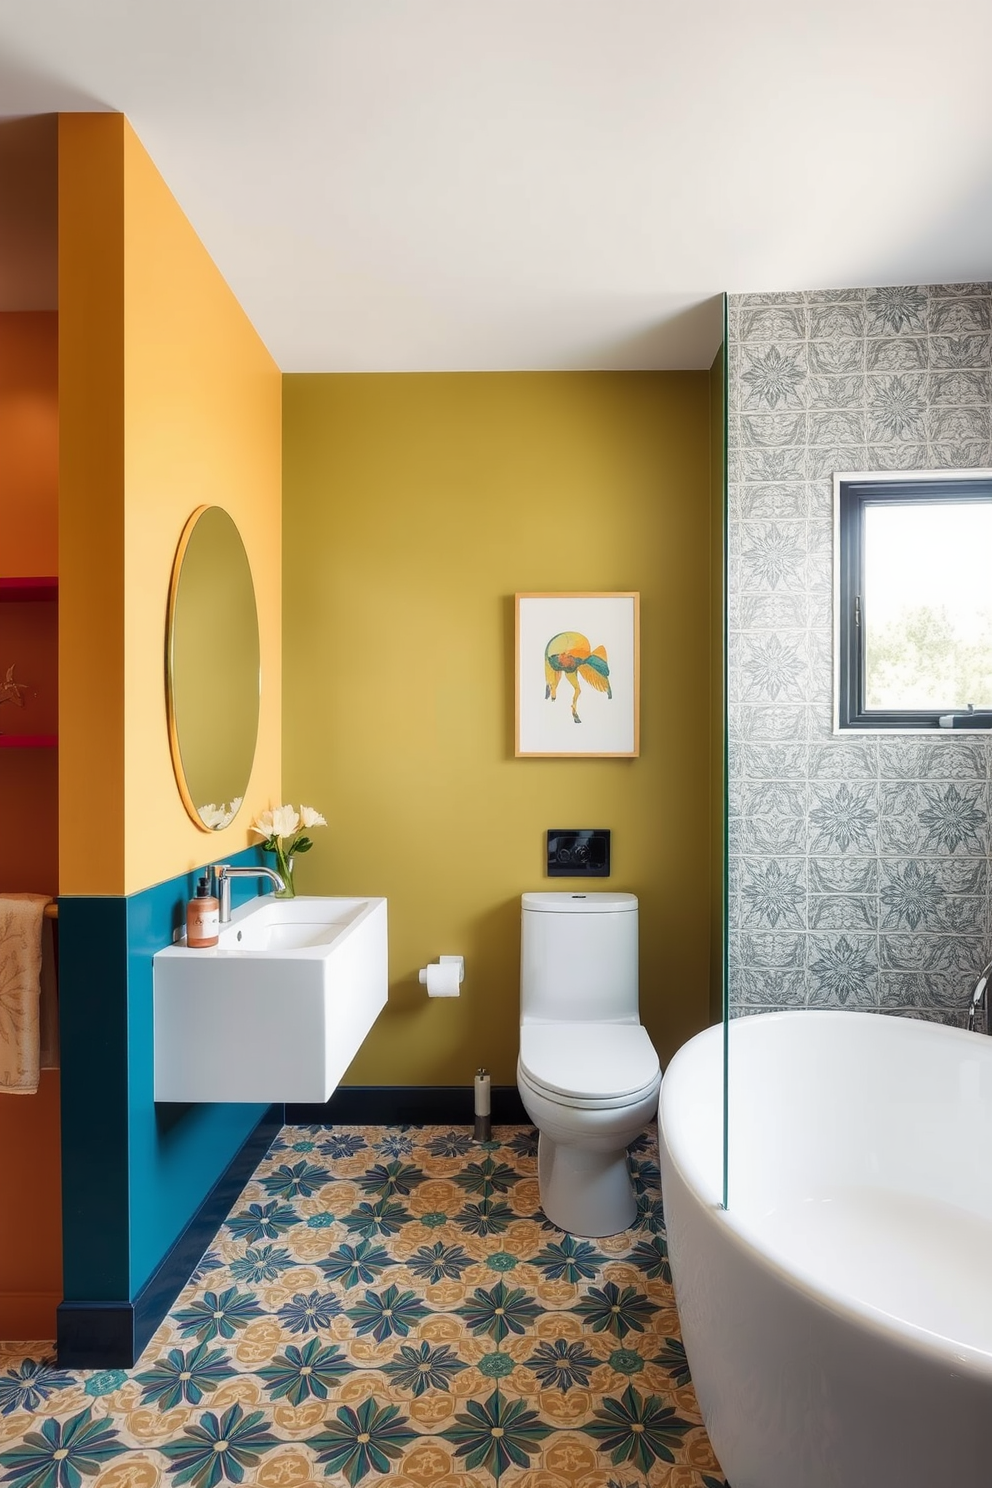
578, 852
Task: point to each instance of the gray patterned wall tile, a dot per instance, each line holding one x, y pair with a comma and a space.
940, 819
901, 758
772, 377
834, 296
843, 818
838, 427
787, 297
959, 388
769, 668
958, 317
954, 876
781, 500
823, 460
896, 309
973, 349
772, 556
843, 970
778, 321
835, 322
838, 390
769, 951
963, 955
843, 911
769, 611
898, 457
934, 989
959, 425
772, 430
761, 722
912, 897
898, 354
766, 836
785, 762
844, 759
772, 894
971, 455
758, 464
832, 357
957, 291
897, 407
843, 875
769, 991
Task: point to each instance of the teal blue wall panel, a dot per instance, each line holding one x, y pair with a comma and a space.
134, 1173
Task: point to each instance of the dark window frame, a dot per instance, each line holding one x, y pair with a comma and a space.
852, 494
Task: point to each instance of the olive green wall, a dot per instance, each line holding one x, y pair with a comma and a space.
718, 678
414, 507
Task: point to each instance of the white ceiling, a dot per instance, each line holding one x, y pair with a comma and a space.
399, 185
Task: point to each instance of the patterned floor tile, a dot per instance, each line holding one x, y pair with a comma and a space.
387, 1301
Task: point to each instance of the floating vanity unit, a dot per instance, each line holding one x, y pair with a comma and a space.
277, 1010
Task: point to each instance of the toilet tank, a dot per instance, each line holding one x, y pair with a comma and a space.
578, 958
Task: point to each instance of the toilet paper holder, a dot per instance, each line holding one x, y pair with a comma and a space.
444, 976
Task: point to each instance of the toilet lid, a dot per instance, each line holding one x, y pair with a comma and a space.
594, 1061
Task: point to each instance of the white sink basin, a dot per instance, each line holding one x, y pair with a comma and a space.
277, 1010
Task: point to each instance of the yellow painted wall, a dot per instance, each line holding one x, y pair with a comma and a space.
414, 508
180, 405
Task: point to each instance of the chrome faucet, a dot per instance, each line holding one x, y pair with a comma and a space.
980, 998
222, 875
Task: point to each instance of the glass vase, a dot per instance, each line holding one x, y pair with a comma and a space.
284, 868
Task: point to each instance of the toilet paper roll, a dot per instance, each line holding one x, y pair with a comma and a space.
443, 980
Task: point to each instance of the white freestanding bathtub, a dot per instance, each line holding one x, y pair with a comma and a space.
837, 1316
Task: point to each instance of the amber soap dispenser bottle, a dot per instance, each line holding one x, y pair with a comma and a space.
202, 918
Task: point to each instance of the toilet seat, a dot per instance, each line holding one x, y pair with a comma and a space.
588, 1065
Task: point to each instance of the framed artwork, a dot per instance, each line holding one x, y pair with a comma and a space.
577, 675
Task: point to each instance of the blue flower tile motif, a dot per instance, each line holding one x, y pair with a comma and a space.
184, 1377
616, 1310
305, 1373
396, 1146
219, 1449
486, 1178
61, 1453
261, 1263
384, 1217
524, 1143
29, 1385
387, 1179
562, 1364
569, 1260
500, 1311
490, 1217
262, 1221
450, 1144
423, 1367
300, 1179
343, 1144
351, 1264
439, 1262
218, 1314
361, 1441
309, 1312
496, 1434
638, 1429
388, 1313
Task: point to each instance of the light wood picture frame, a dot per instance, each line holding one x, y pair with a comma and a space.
577, 675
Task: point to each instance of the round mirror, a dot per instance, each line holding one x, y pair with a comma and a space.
212, 671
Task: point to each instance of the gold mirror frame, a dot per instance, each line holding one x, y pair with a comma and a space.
212, 673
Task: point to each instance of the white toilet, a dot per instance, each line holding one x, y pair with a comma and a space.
588, 1074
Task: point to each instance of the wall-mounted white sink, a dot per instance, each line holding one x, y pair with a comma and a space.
277, 1010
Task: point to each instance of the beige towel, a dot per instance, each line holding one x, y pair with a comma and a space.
21, 922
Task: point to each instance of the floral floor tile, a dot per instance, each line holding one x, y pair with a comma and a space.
387, 1301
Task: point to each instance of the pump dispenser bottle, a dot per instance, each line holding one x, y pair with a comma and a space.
202, 918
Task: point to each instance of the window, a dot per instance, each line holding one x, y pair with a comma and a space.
913, 601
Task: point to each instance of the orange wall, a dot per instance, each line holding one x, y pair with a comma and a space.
29, 415
189, 413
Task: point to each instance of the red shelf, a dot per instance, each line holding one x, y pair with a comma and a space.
22, 590
28, 741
